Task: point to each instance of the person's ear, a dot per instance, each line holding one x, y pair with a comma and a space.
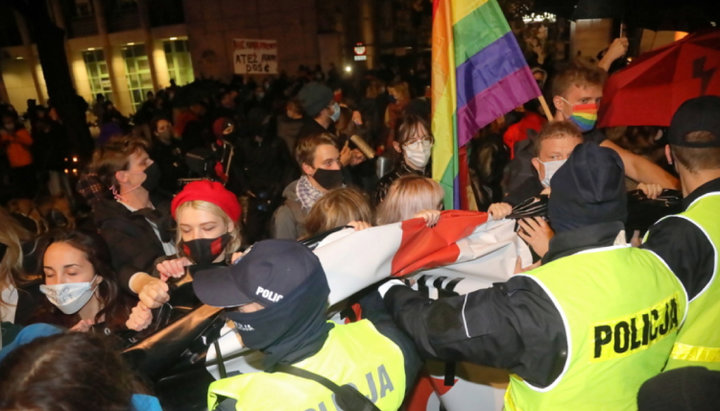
308, 169
397, 147
230, 227
668, 154
538, 167
558, 103
121, 176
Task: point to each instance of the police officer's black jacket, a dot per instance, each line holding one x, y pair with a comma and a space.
684, 247
512, 325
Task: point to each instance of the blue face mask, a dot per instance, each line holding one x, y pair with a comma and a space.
336, 112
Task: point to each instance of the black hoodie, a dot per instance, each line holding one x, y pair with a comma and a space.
133, 244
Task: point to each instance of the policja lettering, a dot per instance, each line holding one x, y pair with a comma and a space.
268, 294
625, 336
378, 385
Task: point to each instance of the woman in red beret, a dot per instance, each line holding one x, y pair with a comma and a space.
208, 233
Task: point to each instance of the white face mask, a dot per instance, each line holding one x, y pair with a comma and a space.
336, 113
550, 168
69, 297
417, 154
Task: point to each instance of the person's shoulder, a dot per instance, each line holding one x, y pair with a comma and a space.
595, 135
290, 190
161, 202
527, 282
673, 226
309, 127
105, 210
674, 235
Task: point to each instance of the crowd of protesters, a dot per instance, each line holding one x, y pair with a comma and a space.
200, 173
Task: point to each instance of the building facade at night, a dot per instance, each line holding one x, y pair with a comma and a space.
125, 48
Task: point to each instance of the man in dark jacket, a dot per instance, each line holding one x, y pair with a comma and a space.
689, 241
136, 230
552, 327
167, 154
321, 111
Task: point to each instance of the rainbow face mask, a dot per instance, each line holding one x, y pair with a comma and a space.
584, 115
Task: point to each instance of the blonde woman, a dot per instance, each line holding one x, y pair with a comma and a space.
411, 196
11, 265
339, 207
207, 218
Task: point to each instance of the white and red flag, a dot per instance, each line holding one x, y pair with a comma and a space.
465, 247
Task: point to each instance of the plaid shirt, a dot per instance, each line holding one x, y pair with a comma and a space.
307, 193
90, 187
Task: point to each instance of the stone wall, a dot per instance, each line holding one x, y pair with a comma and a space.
213, 24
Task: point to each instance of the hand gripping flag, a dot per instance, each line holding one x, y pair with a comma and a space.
463, 244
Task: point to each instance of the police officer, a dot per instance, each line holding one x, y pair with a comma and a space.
582, 331
277, 297
689, 241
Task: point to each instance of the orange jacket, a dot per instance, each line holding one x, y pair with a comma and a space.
18, 147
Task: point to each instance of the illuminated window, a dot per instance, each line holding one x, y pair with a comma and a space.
137, 72
98, 74
177, 54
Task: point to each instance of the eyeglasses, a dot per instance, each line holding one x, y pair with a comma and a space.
426, 138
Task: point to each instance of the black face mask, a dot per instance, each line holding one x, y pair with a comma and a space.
291, 329
328, 179
152, 179
3, 249
204, 251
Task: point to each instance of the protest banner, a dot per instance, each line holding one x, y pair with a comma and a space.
252, 56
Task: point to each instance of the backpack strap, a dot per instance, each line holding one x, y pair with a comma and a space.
346, 394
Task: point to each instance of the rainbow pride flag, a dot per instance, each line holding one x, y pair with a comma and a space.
478, 74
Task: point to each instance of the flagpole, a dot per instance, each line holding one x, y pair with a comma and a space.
545, 107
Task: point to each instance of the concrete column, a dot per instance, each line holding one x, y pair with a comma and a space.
367, 28
57, 15
3, 92
30, 55
144, 14
102, 27
116, 70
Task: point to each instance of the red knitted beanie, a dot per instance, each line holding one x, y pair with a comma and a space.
212, 192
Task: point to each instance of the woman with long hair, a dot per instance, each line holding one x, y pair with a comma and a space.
81, 289
12, 235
